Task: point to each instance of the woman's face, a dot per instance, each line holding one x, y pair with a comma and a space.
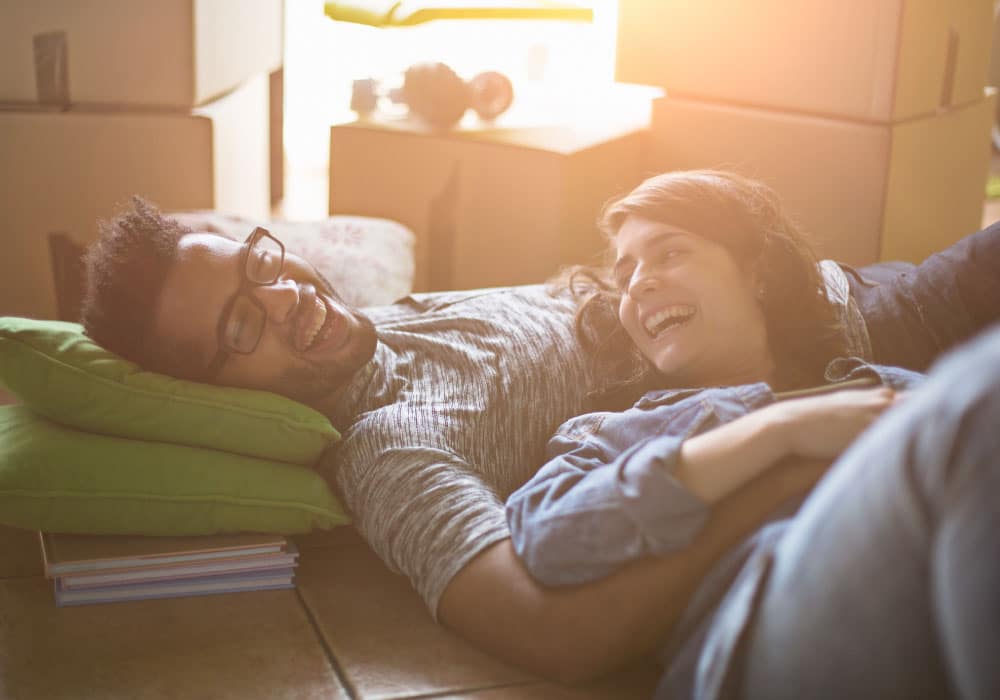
690, 308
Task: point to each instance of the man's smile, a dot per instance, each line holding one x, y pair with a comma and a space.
319, 325
311, 322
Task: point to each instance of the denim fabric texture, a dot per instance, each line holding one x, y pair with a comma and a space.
886, 584
913, 313
883, 584
607, 496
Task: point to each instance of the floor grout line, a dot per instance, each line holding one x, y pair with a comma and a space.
464, 691
23, 577
338, 670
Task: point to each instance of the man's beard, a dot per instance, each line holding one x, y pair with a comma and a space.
313, 385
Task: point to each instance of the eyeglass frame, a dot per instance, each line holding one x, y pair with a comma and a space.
224, 351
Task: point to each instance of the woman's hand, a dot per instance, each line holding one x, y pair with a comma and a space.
716, 463
821, 427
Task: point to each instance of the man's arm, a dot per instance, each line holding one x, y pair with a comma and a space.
574, 633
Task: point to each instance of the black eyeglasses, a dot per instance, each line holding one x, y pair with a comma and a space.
243, 318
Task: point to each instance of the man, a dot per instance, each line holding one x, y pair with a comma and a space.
445, 402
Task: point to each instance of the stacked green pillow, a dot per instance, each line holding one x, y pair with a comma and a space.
100, 446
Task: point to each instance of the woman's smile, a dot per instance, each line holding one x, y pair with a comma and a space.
689, 306
667, 319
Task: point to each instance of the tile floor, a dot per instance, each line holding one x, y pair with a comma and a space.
350, 630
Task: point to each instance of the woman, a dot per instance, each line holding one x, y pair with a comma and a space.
878, 585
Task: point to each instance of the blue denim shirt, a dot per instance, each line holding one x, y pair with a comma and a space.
607, 495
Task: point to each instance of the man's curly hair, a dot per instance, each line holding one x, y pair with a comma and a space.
126, 268
746, 218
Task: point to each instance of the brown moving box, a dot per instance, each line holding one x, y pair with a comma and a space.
874, 60
164, 53
62, 171
489, 206
865, 191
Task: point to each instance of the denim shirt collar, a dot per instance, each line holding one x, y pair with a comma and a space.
752, 396
845, 369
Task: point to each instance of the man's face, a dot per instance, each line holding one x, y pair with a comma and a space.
311, 343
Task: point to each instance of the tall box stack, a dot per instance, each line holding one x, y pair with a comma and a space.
871, 118
168, 99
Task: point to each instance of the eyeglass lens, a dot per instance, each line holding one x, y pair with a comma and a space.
246, 318
244, 325
264, 260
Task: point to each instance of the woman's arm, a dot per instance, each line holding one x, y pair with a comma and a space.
575, 633
714, 464
598, 504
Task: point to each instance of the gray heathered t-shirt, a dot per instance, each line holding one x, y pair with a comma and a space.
452, 415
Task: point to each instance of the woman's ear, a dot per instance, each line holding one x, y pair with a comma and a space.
757, 282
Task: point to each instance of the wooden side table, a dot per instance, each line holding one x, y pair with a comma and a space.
491, 205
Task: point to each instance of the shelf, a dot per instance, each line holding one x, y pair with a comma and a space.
395, 13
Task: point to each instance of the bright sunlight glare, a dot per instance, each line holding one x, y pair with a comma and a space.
558, 69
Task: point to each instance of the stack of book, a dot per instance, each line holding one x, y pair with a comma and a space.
111, 568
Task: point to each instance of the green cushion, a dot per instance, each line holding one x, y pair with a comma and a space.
57, 479
65, 376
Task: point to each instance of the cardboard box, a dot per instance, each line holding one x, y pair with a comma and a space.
864, 191
489, 207
874, 60
165, 53
63, 171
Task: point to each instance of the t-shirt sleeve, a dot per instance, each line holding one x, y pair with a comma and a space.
423, 511
596, 505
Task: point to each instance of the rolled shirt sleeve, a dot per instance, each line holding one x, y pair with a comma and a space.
608, 494
585, 513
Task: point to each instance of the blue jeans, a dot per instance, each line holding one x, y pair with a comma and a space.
887, 582
916, 312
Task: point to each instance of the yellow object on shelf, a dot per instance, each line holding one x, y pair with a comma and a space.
395, 13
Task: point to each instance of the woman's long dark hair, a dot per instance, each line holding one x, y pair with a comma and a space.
745, 217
